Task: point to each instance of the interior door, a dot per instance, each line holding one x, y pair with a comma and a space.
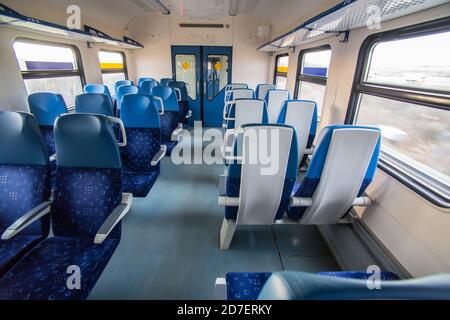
217, 62
186, 66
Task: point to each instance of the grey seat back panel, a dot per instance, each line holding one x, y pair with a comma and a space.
248, 111
275, 103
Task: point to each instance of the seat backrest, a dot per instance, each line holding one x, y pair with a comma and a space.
142, 79
123, 90
233, 86
46, 107
89, 175
241, 94
181, 85
168, 96
94, 103
165, 81
262, 89
246, 111
291, 285
123, 83
275, 100
302, 115
343, 165
97, 88
147, 86
25, 174
142, 124
265, 186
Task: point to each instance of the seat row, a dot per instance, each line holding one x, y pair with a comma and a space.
84, 212
142, 146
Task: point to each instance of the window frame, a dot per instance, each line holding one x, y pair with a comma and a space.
43, 74
308, 78
275, 72
113, 71
401, 171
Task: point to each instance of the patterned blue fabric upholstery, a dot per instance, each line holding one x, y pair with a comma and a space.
245, 285
361, 275
233, 180
142, 145
171, 117
84, 198
43, 273
49, 138
24, 183
308, 185
139, 184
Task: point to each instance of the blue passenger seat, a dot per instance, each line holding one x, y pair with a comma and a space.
147, 86
143, 152
302, 115
46, 107
24, 186
169, 114
96, 103
122, 83
183, 99
165, 81
86, 212
343, 165
142, 79
123, 90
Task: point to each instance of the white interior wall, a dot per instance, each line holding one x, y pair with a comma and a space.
415, 231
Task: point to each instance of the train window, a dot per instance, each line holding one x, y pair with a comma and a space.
50, 67
113, 67
404, 89
186, 70
312, 75
281, 71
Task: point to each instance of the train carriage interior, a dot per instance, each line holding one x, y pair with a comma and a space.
224, 150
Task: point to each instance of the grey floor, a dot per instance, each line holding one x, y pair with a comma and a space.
169, 247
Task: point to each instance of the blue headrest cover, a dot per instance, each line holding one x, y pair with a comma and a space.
21, 141
86, 141
142, 79
183, 88
306, 286
169, 97
320, 154
94, 103
97, 88
282, 116
46, 107
292, 167
139, 111
148, 85
165, 81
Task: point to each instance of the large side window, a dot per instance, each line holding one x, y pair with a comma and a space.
312, 75
114, 68
281, 71
403, 87
51, 67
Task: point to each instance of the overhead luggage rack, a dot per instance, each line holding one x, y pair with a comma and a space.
11, 18
347, 16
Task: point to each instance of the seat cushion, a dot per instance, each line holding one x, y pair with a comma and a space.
49, 138
245, 285
14, 249
138, 183
43, 273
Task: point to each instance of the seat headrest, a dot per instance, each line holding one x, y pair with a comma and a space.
21, 141
86, 141
147, 86
144, 79
97, 88
165, 81
139, 111
127, 89
94, 103
320, 154
46, 107
123, 83
183, 88
262, 89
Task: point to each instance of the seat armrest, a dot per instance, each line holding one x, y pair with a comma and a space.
220, 289
188, 114
161, 154
225, 201
31, 216
53, 157
114, 218
308, 202
309, 151
176, 132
